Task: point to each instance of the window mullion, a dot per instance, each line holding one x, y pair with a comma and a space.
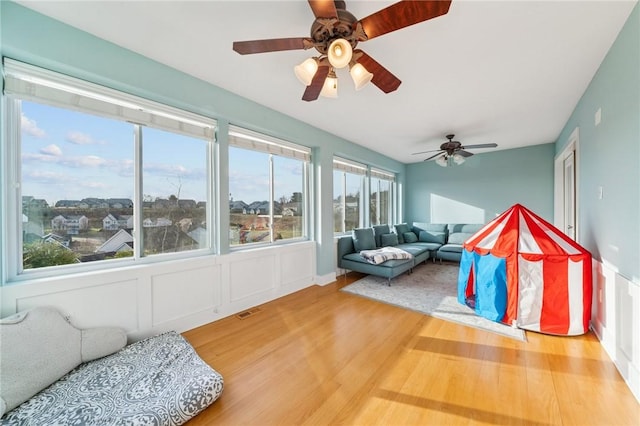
271, 197
138, 243
344, 202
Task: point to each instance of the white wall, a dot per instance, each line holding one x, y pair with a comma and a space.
616, 321
177, 295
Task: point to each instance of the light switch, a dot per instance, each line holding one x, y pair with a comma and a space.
598, 116
600, 193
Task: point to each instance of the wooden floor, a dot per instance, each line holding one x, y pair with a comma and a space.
325, 357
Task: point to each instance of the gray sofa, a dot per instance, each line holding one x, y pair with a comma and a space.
404, 237
457, 235
422, 240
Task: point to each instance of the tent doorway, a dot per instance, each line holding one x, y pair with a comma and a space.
565, 188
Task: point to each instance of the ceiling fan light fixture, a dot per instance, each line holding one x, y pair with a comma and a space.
360, 76
458, 159
306, 70
340, 53
330, 87
442, 161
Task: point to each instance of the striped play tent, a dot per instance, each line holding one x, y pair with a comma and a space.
522, 271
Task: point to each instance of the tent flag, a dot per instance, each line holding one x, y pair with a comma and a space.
522, 271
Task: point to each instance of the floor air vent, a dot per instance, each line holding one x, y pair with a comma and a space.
247, 314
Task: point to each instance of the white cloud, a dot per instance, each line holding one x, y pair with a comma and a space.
174, 170
30, 127
79, 138
51, 150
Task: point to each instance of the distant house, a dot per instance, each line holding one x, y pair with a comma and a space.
201, 205
34, 203
56, 239
154, 223
120, 203
289, 211
200, 236
71, 224
187, 204
121, 241
67, 203
113, 222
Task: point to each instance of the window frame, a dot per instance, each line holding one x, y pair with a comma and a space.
354, 168
383, 175
22, 82
243, 138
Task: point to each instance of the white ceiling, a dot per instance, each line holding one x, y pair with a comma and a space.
509, 72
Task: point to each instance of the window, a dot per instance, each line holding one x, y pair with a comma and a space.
94, 167
268, 181
348, 184
381, 197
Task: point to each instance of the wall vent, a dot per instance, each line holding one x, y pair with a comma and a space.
248, 313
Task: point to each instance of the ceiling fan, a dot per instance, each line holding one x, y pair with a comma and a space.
453, 151
335, 33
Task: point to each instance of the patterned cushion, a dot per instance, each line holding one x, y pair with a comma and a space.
387, 240
363, 239
159, 381
409, 237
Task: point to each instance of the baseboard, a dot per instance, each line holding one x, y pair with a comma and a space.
325, 279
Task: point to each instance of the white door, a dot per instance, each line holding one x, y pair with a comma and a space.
569, 185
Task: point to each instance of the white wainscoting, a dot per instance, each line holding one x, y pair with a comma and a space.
616, 321
176, 295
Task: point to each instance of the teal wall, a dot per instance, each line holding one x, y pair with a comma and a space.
490, 182
609, 155
36, 39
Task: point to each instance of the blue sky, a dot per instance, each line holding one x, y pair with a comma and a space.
73, 155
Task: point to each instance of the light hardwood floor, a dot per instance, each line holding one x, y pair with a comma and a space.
324, 357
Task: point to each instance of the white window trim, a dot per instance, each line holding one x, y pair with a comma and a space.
27, 82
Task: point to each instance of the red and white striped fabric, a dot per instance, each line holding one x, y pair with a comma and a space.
548, 275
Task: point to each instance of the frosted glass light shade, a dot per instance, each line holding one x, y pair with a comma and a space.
458, 159
442, 161
330, 87
306, 70
360, 76
339, 53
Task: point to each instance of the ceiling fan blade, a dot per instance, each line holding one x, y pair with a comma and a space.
272, 45
323, 8
464, 153
482, 145
425, 152
313, 90
382, 77
433, 156
402, 14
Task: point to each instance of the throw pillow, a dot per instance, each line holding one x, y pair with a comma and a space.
401, 228
363, 239
387, 240
432, 237
431, 227
379, 230
409, 237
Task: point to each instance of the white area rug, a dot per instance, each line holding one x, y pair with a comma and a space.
432, 290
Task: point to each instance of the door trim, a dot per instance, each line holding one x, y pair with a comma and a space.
558, 191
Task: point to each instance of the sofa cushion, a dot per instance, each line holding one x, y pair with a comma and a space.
401, 228
389, 239
459, 238
378, 230
431, 227
409, 237
451, 248
363, 239
432, 237
472, 228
